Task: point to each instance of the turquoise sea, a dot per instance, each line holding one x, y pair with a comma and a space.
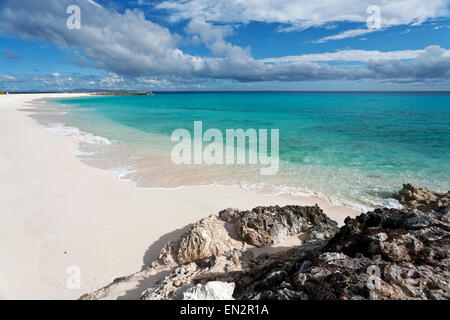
351, 148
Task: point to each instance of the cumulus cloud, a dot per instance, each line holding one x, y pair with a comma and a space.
124, 43
129, 46
432, 64
213, 37
408, 66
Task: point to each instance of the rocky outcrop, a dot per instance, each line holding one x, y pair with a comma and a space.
233, 229
422, 199
187, 277
208, 237
383, 254
265, 226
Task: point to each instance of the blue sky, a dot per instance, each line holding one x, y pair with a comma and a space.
225, 45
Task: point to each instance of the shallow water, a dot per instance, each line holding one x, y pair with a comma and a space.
352, 148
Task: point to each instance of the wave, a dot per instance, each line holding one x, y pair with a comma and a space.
122, 173
304, 192
61, 129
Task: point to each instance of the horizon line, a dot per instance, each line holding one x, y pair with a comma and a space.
228, 91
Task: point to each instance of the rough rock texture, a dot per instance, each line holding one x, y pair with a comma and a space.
208, 237
222, 268
384, 254
215, 247
265, 226
212, 290
422, 199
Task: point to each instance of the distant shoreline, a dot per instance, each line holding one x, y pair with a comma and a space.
124, 93
119, 92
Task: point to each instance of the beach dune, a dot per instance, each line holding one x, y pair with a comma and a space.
57, 213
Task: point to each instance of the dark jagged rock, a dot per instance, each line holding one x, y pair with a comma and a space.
409, 249
422, 199
265, 226
396, 235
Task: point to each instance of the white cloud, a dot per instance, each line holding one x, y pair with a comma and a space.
212, 36
305, 13
432, 64
94, 3
112, 80
299, 15
7, 78
129, 46
124, 43
347, 34
352, 55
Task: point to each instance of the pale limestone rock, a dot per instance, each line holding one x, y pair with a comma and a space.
212, 290
207, 238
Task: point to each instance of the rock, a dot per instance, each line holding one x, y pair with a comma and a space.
229, 215
179, 279
382, 254
206, 238
407, 252
265, 226
167, 254
393, 273
380, 237
286, 294
272, 279
262, 226
394, 234
221, 269
422, 199
322, 231
332, 256
212, 290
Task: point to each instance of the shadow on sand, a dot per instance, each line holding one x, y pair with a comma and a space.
151, 254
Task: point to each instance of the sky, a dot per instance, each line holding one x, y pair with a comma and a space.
304, 45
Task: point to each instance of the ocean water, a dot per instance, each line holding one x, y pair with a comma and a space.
355, 149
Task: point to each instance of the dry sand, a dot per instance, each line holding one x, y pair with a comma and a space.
56, 212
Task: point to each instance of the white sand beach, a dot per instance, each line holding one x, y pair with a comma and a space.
57, 212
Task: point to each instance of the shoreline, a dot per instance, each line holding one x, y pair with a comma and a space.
76, 214
126, 171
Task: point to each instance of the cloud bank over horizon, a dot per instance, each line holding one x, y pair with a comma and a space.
131, 48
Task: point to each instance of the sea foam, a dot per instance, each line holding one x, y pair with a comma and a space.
62, 130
